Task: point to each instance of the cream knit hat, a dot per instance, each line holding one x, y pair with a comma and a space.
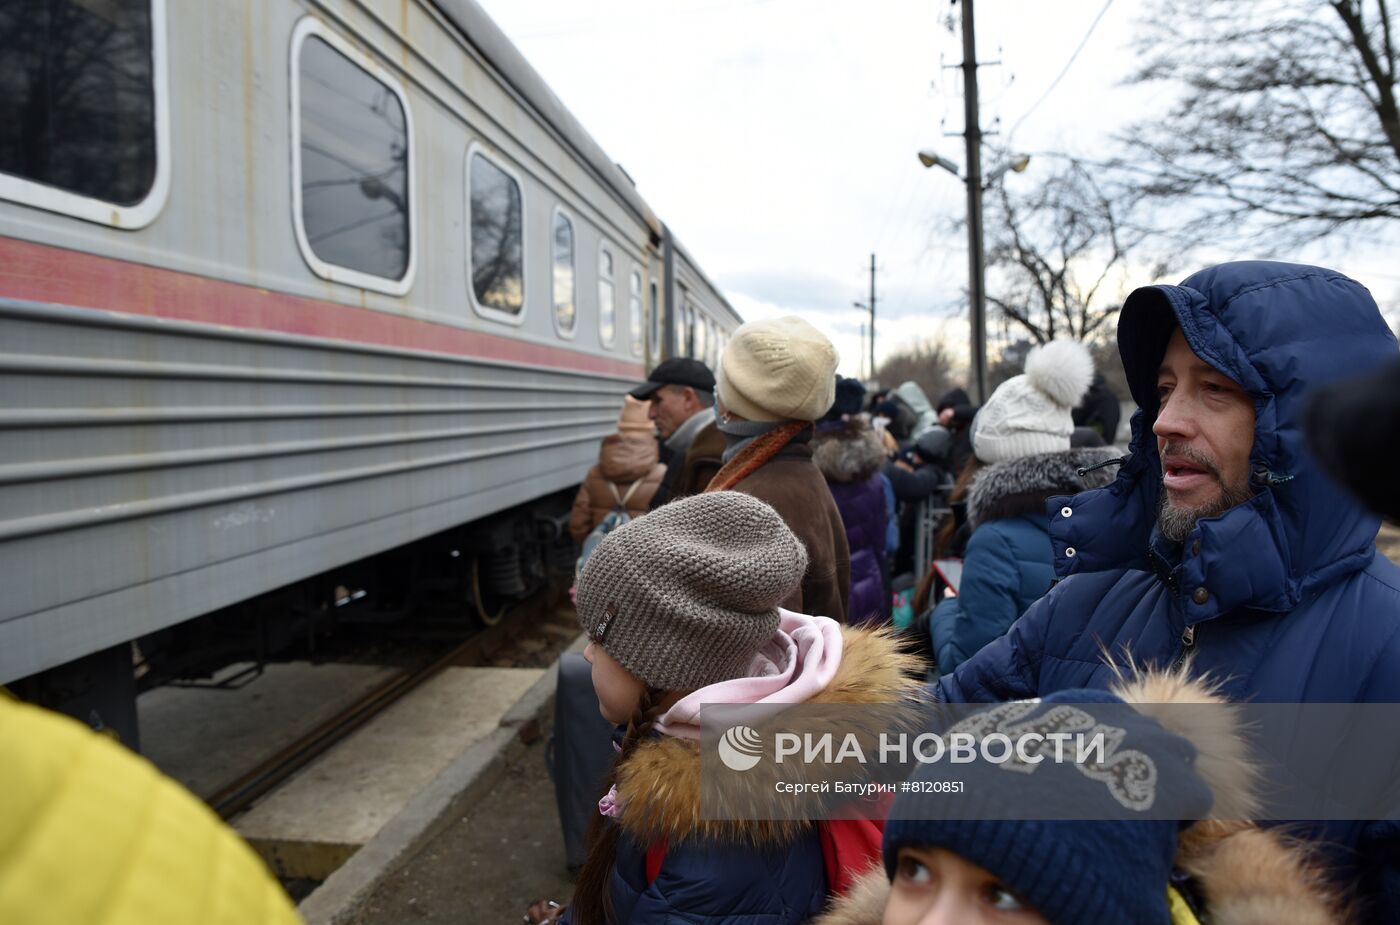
1030, 413
685, 596
778, 370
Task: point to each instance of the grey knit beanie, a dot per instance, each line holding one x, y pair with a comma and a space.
686, 595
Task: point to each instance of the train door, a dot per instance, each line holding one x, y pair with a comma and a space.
655, 308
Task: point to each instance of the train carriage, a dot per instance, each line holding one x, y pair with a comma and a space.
287, 285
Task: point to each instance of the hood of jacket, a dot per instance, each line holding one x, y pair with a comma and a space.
914, 398
1021, 486
1279, 330
627, 456
912, 395
851, 452
658, 786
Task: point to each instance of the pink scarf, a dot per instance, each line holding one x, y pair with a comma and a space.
792, 667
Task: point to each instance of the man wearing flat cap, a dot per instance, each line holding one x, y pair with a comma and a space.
681, 392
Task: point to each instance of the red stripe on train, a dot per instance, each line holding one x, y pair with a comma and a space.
40, 273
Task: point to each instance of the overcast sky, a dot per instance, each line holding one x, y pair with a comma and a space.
777, 138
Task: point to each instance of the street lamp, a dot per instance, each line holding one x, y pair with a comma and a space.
1017, 163
930, 158
977, 269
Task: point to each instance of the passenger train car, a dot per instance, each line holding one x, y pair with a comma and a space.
286, 285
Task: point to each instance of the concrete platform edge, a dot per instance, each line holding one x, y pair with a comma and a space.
440, 803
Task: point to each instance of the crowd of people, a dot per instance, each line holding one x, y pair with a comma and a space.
1211, 560
744, 533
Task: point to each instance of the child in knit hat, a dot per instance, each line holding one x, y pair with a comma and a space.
1098, 842
682, 609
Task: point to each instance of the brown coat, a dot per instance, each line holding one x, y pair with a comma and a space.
625, 458
796, 489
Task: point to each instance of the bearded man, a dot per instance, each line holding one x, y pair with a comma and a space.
1221, 539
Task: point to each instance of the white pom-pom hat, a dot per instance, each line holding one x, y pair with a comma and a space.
1030, 413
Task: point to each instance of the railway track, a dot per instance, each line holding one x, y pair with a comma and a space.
241, 792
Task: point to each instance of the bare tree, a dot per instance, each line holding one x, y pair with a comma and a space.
1287, 125
927, 362
1057, 257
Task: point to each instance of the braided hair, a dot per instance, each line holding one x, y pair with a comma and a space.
592, 904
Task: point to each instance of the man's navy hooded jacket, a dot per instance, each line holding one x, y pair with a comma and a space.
1283, 598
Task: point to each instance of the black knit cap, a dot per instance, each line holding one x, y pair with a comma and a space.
850, 397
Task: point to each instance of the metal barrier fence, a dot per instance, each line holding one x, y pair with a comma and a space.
929, 518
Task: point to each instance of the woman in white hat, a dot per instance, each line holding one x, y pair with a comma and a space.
1021, 443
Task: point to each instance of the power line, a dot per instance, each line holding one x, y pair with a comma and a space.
1063, 71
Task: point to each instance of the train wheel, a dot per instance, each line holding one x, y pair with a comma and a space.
489, 616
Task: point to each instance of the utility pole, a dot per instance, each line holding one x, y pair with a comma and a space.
872, 316
976, 259
862, 352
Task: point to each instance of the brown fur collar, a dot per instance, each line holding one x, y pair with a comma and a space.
1222, 755
1249, 875
1254, 876
849, 453
863, 904
658, 784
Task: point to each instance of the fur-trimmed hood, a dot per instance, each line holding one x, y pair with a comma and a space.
658, 785
1022, 486
851, 452
1246, 875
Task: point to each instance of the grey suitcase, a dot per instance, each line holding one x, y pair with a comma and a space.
580, 754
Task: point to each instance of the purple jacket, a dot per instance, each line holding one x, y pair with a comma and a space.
849, 455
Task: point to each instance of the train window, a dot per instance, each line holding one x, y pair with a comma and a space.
634, 311
352, 179
655, 326
83, 126
607, 306
565, 306
496, 260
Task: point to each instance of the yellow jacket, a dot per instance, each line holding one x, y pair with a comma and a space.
91, 832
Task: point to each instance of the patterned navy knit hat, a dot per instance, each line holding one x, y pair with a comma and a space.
1085, 843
